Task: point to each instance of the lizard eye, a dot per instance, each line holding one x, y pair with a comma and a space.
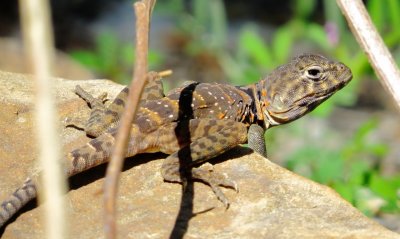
314, 73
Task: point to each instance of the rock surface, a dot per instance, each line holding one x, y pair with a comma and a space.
272, 203
13, 59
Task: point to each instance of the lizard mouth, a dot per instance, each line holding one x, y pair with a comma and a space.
314, 98
346, 76
299, 108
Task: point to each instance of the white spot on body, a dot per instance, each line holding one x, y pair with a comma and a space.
209, 93
158, 102
166, 106
170, 116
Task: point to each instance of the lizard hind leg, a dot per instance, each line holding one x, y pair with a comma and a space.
101, 117
209, 139
96, 124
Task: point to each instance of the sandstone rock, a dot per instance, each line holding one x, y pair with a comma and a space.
272, 203
13, 59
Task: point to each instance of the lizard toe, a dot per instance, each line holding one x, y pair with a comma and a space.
214, 180
75, 122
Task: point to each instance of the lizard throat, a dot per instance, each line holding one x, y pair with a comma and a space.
253, 112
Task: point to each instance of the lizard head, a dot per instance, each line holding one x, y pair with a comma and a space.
294, 89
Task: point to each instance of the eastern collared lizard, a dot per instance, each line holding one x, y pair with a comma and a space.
198, 121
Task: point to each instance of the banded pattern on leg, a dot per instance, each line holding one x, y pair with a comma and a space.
93, 126
209, 138
154, 89
102, 118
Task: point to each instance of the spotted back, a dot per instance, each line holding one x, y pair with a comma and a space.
195, 100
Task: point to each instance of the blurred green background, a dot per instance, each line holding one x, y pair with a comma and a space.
350, 143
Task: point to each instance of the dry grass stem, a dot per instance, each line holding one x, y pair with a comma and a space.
37, 32
373, 45
143, 10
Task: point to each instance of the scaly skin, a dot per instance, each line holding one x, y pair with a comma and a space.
199, 121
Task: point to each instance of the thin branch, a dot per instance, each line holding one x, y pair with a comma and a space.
373, 45
39, 43
143, 10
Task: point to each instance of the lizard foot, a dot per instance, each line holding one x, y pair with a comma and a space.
74, 122
214, 180
89, 98
80, 122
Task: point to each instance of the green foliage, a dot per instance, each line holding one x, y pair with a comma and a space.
352, 171
111, 59
252, 46
304, 9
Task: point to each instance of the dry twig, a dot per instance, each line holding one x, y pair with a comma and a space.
373, 45
143, 11
38, 40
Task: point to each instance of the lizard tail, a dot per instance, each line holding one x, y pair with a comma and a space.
17, 200
95, 152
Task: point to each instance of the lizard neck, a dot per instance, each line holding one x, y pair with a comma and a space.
261, 101
255, 114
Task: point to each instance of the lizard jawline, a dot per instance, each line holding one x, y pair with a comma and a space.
299, 108
269, 120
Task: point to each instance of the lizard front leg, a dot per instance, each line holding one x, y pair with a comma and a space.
209, 138
256, 140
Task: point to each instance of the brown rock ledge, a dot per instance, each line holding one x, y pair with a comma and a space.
272, 203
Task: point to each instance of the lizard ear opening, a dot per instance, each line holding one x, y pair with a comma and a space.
314, 72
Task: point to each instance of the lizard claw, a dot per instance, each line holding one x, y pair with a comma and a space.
220, 195
235, 187
229, 184
214, 180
